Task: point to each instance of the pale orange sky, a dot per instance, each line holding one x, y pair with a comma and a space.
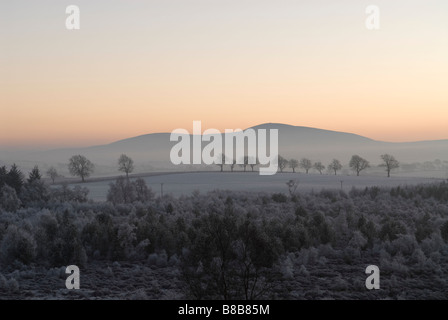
154, 66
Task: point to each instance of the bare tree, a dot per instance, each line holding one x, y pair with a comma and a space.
319, 167
292, 186
253, 162
80, 166
245, 163
293, 164
390, 163
221, 161
52, 174
282, 163
306, 164
358, 164
232, 165
126, 165
335, 166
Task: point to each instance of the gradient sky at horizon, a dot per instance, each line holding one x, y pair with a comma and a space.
138, 67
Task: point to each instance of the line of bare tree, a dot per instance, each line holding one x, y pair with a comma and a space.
356, 163
82, 167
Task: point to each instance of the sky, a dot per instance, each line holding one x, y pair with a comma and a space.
138, 67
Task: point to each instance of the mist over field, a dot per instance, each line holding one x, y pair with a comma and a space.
151, 152
184, 184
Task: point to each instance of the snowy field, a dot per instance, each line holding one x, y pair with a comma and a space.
179, 184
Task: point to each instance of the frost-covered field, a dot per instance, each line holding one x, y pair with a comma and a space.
185, 183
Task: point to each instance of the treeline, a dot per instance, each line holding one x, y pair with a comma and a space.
78, 166
356, 163
229, 245
17, 192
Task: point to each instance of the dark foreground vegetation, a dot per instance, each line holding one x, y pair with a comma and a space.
224, 245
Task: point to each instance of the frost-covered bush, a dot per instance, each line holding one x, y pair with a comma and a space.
279, 197
125, 191
65, 194
17, 244
221, 240
126, 239
35, 194
142, 191
159, 260
9, 201
444, 231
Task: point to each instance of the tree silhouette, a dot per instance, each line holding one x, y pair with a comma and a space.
34, 175
293, 164
245, 162
15, 178
282, 163
306, 164
221, 161
80, 166
319, 167
3, 176
52, 173
389, 162
126, 165
253, 162
335, 166
358, 164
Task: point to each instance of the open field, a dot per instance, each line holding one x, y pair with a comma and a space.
178, 184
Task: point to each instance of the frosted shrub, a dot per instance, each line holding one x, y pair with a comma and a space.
152, 259
139, 294
313, 255
279, 197
13, 285
35, 193
80, 194
126, 238
9, 201
405, 244
357, 241
126, 191
140, 252
303, 271
435, 257
162, 260
391, 229
65, 194
399, 265
287, 268
3, 282
322, 261
121, 191
174, 260
351, 254
17, 244
432, 244
327, 251
302, 257
143, 193
444, 231
419, 259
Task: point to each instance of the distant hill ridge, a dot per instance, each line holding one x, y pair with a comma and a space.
152, 150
